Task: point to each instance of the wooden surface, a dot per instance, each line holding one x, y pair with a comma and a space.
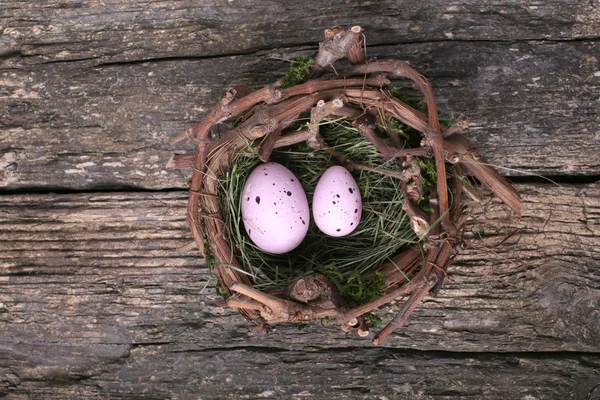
95, 302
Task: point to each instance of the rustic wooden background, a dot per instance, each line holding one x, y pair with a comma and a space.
96, 303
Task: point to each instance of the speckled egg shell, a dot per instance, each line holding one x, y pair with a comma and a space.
337, 206
275, 210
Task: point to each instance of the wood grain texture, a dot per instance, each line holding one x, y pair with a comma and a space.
117, 31
155, 372
93, 91
92, 290
95, 301
532, 107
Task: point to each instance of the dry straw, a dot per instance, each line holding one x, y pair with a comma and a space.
409, 166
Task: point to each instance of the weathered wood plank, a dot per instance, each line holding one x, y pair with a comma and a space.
93, 295
156, 372
102, 268
532, 105
117, 31
96, 303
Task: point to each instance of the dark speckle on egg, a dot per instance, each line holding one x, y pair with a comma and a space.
355, 210
257, 199
351, 190
289, 193
337, 230
337, 195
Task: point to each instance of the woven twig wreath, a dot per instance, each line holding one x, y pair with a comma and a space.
358, 94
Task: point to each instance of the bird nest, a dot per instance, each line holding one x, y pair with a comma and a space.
412, 168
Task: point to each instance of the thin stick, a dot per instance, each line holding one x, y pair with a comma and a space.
276, 305
293, 138
235, 302
268, 144
381, 301
356, 54
405, 312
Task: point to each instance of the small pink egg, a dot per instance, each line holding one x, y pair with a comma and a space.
337, 205
275, 209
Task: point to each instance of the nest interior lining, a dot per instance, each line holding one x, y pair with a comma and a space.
349, 261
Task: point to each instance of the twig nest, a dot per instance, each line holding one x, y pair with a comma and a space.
401, 157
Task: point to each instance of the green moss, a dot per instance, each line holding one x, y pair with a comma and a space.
418, 103
373, 320
355, 287
299, 72
220, 291
428, 172
208, 256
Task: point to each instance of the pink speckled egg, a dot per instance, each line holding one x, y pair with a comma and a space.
274, 208
337, 206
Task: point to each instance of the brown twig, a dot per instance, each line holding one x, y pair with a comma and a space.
318, 291
432, 132
195, 185
462, 151
402, 267
419, 221
293, 138
321, 110
460, 125
236, 302
367, 128
276, 305
405, 312
356, 54
336, 44
381, 301
270, 94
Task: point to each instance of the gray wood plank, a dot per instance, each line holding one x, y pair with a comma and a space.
102, 268
533, 107
157, 372
117, 31
95, 302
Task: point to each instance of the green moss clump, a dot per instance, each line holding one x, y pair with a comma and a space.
428, 172
356, 288
299, 72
